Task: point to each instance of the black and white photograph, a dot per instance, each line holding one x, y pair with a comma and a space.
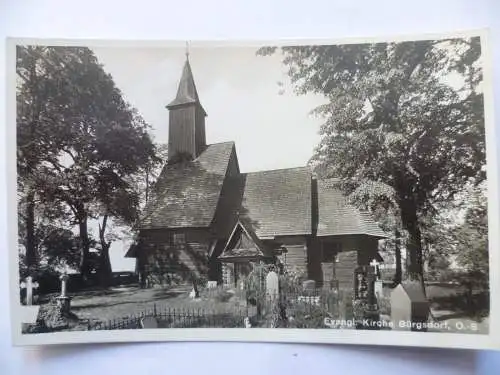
327, 190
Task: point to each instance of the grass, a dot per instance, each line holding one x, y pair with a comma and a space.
119, 303
116, 304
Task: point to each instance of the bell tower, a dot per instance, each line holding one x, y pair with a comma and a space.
186, 133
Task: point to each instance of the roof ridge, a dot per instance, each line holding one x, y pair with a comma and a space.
221, 143
278, 170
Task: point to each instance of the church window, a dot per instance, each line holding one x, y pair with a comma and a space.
179, 238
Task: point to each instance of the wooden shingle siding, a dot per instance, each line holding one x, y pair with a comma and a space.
296, 257
344, 268
182, 132
328, 271
163, 258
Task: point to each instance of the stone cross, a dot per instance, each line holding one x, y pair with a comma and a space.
272, 285
29, 285
64, 281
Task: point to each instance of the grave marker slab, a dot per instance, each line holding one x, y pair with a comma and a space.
409, 307
149, 322
379, 288
29, 285
272, 285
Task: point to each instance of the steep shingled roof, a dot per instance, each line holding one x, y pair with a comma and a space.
186, 91
278, 202
338, 217
187, 193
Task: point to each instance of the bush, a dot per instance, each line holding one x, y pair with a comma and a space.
221, 295
308, 316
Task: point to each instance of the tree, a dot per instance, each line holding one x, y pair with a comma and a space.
472, 242
39, 134
380, 199
393, 115
79, 141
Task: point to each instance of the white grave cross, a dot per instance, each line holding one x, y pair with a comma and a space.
29, 285
375, 265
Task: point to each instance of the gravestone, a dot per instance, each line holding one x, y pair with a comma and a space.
379, 288
272, 285
29, 285
149, 322
409, 307
195, 293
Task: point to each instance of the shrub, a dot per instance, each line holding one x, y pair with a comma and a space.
384, 304
221, 295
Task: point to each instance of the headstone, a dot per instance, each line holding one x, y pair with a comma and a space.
63, 301
149, 322
212, 285
194, 292
379, 288
247, 322
409, 307
272, 285
375, 266
29, 285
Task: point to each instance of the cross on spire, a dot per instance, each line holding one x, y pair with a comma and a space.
187, 50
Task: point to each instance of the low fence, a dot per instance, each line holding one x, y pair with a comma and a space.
177, 318
294, 305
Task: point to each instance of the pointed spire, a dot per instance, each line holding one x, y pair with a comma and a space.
186, 92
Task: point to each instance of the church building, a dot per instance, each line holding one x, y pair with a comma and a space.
206, 219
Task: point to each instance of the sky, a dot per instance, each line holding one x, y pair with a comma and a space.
240, 92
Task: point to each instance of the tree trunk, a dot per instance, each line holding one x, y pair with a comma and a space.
410, 222
105, 266
31, 245
84, 244
399, 272
105, 270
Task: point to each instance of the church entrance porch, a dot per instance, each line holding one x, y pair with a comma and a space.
235, 271
242, 250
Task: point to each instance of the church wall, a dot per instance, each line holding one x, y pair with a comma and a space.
354, 251
167, 256
296, 257
347, 261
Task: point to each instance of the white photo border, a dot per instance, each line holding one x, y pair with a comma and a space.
320, 336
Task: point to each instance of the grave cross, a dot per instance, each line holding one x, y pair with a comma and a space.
29, 285
375, 265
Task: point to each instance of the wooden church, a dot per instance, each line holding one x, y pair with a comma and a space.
208, 220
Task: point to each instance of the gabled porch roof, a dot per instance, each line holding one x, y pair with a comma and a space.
254, 249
